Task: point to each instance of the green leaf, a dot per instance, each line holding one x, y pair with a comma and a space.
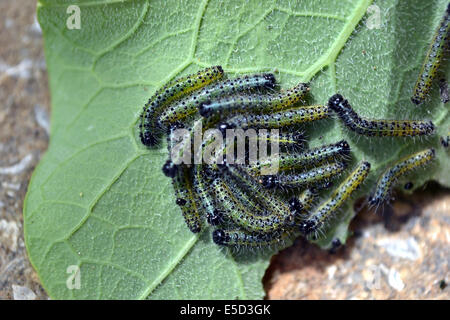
98, 199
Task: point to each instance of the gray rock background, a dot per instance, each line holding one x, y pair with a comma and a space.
24, 110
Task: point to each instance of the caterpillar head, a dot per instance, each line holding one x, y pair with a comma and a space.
170, 169
220, 237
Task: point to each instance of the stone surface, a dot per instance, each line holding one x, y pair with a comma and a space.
401, 254
22, 293
23, 85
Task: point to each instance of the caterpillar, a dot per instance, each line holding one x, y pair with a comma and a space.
433, 59
240, 215
313, 156
399, 168
189, 105
236, 199
185, 199
205, 196
149, 127
254, 103
241, 238
169, 169
324, 211
378, 128
307, 178
284, 118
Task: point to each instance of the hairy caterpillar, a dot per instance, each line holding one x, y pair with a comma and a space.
205, 196
185, 198
399, 168
376, 127
279, 119
248, 239
324, 211
433, 59
149, 127
307, 178
313, 156
254, 103
189, 105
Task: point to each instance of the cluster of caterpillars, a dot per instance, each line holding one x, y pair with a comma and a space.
245, 205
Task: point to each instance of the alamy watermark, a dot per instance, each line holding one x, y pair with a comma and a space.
374, 19
74, 279
233, 146
74, 20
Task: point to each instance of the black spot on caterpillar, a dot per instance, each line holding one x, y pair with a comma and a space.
408, 186
301, 204
376, 127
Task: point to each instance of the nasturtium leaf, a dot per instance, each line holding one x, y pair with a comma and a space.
98, 200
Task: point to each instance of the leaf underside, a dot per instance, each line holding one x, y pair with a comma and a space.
98, 199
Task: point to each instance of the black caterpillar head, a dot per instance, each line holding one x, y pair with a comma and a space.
148, 139
307, 226
344, 146
170, 169
271, 80
338, 103
220, 237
